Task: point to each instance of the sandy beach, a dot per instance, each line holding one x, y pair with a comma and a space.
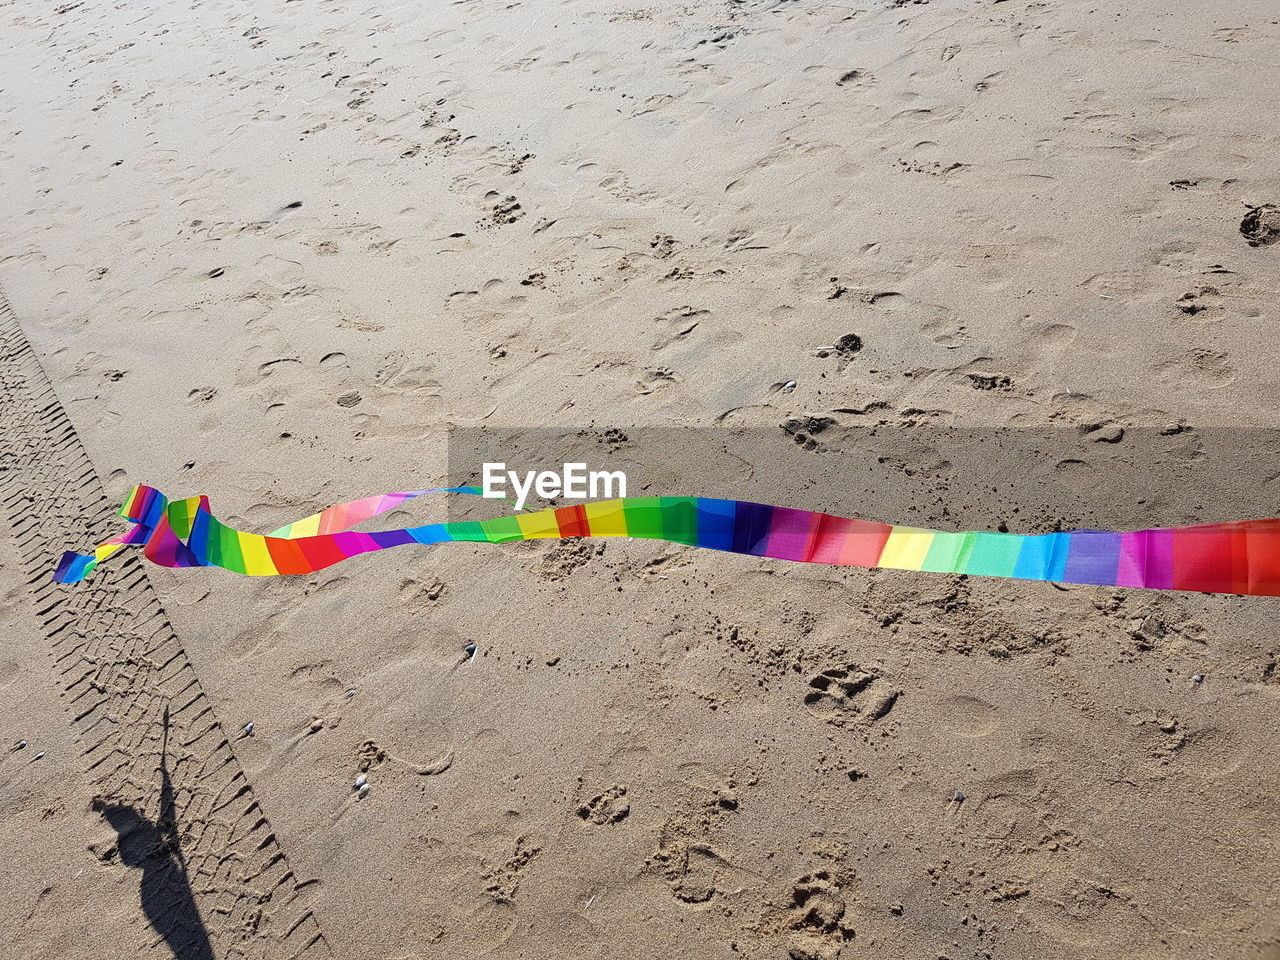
967, 264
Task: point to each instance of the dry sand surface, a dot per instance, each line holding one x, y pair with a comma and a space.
271, 252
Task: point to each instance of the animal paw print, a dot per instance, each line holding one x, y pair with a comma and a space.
502, 881
817, 918
990, 381
611, 806
503, 210
803, 429
663, 245
850, 695
1198, 300
562, 560
1261, 225
844, 348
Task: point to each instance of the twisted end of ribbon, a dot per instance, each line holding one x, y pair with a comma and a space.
145, 507
184, 533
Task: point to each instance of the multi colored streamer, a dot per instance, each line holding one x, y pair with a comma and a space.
1240, 558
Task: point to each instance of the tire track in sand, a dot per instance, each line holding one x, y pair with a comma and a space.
120, 667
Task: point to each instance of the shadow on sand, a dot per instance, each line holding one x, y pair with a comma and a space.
153, 848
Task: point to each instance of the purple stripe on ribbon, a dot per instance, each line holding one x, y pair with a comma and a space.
392, 538
1093, 558
790, 532
1146, 559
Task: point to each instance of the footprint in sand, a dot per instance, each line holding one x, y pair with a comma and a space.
946, 333
678, 324
1052, 336
969, 718
855, 78
1205, 367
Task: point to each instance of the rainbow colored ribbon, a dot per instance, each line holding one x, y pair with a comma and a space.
1241, 557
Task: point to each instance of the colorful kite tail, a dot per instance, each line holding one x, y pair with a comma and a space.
1241, 557
162, 526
